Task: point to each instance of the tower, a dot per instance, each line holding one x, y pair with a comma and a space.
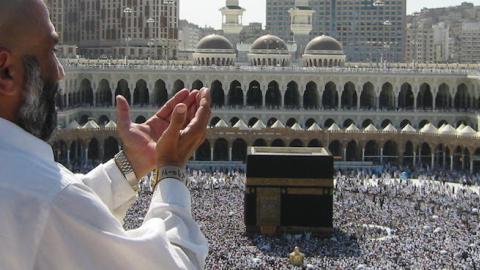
301, 24
232, 24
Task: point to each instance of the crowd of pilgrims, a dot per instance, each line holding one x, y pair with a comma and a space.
381, 221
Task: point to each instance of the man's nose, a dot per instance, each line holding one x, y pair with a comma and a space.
60, 70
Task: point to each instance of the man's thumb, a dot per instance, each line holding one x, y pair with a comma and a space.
178, 117
122, 110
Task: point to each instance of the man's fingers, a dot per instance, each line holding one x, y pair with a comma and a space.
200, 121
122, 110
167, 109
177, 119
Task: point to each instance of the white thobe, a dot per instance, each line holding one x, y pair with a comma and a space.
53, 219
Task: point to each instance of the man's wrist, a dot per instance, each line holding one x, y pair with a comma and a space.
164, 172
126, 169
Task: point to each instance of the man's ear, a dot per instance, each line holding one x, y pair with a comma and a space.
6, 77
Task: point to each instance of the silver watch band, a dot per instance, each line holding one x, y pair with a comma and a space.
127, 170
174, 172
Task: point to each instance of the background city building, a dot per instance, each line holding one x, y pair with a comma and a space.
370, 30
118, 28
440, 35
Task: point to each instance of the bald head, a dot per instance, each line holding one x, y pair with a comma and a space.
19, 19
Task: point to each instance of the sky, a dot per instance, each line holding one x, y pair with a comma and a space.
206, 12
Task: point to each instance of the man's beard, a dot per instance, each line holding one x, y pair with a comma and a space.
38, 114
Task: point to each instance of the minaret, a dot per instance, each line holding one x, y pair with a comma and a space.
301, 24
232, 23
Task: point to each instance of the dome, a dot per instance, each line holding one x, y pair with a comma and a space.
297, 127
323, 43
314, 127
334, 127
214, 42
269, 42
371, 128
429, 128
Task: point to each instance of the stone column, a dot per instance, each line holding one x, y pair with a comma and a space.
344, 154
451, 162
363, 154
433, 161
85, 160
381, 155
68, 157
414, 157
229, 153
471, 164
444, 160
211, 154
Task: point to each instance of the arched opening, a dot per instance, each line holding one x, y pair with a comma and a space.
310, 97
366, 123
214, 121
425, 155
93, 151
408, 154
330, 96
292, 97
271, 121
259, 142
291, 122
104, 94
462, 98
273, 97
349, 96
86, 92
440, 157
328, 123
441, 123
197, 85
220, 150
140, 94
217, 94
476, 161
233, 121
352, 153
390, 152
310, 122
387, 97
404, 123
177, 86
422, 123
367, 97
83, 119
335, 149
103, 120
160, 94
372, 152
347, 123
110, 146
443, 100
406, 97
386, 122
123, 90
424, 97
235, 94
296, 143
140, 119
278, 143
252, 121
314, 143
254, 95
239, 150
203, 152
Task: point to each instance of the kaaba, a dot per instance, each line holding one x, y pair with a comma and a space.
289, 190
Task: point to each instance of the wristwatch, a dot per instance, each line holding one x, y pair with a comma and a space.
127, 170
174, 172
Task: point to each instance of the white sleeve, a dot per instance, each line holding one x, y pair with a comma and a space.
111, 187
81, 233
